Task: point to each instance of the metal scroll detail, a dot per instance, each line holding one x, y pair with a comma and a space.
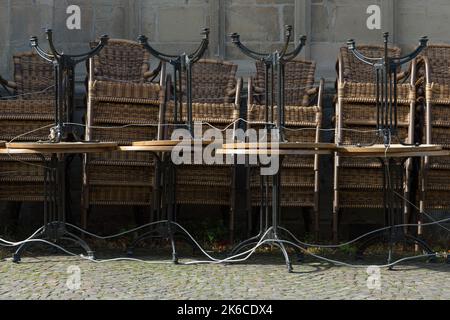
64, 66
274, 65
386, 69
181, 63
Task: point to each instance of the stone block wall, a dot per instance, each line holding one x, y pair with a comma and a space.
174, 25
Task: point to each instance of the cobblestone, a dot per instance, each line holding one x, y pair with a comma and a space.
264, 278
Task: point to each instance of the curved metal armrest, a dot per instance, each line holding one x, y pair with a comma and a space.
291, 55
423, 42
151, 75
236, 40
351, 46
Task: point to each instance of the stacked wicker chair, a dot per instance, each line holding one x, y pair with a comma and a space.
435, 173
123, 106
30, 106
358, 182
215, 97
303, 119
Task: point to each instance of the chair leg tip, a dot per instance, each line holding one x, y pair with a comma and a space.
16, 258
289, 267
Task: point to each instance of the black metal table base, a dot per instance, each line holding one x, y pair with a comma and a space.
391, 239
54, 229
55, 233
393, 184
273, 236
165, 208
270, 232
168, 232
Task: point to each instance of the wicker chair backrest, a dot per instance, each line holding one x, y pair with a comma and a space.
356, 71
439, 61
213, 81
299, 77
121, 60
33, 76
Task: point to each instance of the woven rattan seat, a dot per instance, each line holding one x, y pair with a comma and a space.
303, 118
358, 183
30, 107
213, 113
123, 107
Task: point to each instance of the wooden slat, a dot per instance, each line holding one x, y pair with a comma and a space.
168, 143
442, 153
147, 148
282, 145
62, 147
382, 149
301, 152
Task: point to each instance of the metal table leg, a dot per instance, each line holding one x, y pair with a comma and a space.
270, 230
166, 205
55, 228
393, 205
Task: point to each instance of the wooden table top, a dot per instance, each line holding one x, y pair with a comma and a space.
396, 150
274, 152
170, 143
165, 145
282, 146
61, 147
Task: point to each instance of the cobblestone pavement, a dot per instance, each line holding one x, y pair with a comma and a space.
264, 278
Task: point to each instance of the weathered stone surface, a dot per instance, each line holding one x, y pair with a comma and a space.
175, 24
181, 24
4, 37
264, 278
